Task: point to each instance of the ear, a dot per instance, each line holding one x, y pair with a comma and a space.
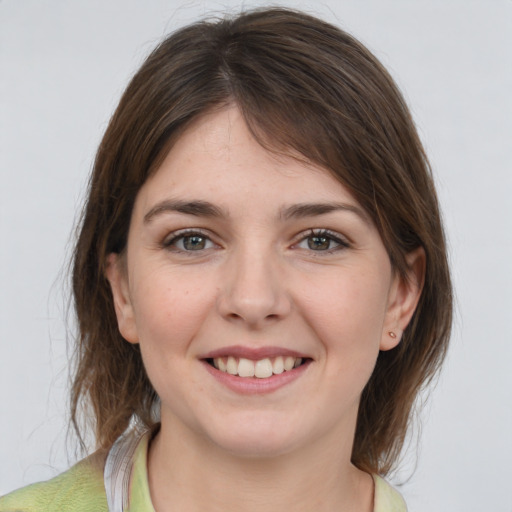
403, 298
117, 277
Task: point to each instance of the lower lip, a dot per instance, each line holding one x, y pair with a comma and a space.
253, 385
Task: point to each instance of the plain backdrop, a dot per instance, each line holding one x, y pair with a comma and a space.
63, 67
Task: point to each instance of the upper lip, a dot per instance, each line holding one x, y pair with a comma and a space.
255, 354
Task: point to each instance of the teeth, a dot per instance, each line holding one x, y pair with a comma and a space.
221, 365
261, 369
278, 366
232, 366
245, 368
289, 363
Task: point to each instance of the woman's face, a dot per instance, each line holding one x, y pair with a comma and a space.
239, 263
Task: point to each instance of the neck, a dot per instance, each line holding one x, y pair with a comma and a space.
192, 474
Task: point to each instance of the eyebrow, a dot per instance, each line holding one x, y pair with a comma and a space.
196, 208
206, 209
302, 210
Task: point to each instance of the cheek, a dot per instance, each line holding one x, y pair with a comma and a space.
169, 313
169, 309
347, 316
353, 305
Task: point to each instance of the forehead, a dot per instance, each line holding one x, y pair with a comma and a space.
217, 159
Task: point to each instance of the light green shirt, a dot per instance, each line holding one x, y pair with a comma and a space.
81, 489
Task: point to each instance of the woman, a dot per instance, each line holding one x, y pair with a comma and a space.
260, 279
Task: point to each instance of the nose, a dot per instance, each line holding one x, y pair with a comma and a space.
254, 289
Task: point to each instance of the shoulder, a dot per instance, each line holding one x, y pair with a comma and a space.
387, 498
78, 489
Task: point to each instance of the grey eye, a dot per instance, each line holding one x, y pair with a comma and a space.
194, 242
322, 241
319, 243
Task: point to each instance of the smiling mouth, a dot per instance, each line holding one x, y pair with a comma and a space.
261, 369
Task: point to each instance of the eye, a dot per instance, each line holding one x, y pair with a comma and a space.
189, 241
322, 241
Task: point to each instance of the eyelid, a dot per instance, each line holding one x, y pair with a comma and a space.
342, 241
172, 237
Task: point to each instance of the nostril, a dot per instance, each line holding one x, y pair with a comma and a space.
254, 299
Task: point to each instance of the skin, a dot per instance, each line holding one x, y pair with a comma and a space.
255, 275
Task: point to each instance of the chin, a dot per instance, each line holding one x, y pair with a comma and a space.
258, 439
248, 447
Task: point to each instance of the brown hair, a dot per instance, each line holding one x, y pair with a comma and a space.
303, 86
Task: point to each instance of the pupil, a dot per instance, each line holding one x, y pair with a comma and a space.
318, 243
194, 243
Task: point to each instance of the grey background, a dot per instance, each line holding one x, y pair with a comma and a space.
63, 66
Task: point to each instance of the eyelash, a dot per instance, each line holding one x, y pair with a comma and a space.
170, 243
327, 235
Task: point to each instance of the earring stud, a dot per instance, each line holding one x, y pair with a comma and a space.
392, 334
